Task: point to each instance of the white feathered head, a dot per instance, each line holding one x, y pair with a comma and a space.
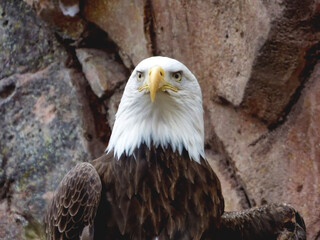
161, 105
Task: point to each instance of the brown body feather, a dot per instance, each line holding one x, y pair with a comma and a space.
158, 193
154, 192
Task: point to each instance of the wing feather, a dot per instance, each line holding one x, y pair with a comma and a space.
74, 204
273, 221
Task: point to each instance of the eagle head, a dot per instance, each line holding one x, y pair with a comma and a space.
161, 106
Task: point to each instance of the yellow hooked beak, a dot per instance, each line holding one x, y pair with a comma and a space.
156, 82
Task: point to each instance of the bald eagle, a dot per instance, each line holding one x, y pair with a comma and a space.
154, 182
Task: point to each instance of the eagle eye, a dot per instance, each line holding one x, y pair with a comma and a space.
177, 76
139, 76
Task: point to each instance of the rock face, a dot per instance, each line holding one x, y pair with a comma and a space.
45, 120
280, 67
294, 151
41, 136
25, 44
129, 32
63, 69
104, 74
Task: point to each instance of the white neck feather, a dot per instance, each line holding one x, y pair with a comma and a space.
162, 122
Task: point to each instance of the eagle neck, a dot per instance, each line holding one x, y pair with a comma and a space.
164, 123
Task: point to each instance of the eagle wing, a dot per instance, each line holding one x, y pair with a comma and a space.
74, 204
272, 221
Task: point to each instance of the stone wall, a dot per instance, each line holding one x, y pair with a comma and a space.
64, 64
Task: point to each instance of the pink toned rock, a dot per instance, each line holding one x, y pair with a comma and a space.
234, 128
280, 66
231, 133
217, 40
113, 104
95, 131
124, 22
278, 166
232, 200
282, 165
287, 162
44, 112
102, 71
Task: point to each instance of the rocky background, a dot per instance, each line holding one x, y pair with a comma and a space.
64, 64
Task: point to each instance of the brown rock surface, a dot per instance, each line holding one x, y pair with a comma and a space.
279, 68
218, 40
289, 159
256, 62
124, 21
278, 166
101, 70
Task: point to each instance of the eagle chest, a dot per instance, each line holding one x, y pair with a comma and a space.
156, 192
